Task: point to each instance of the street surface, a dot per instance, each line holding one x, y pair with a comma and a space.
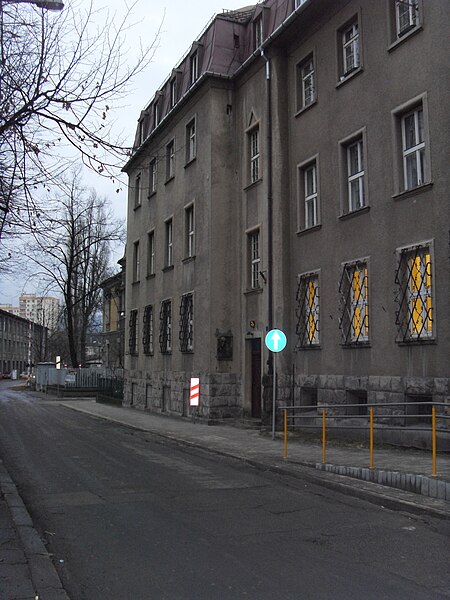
128, 516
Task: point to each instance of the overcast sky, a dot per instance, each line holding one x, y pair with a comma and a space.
182, 22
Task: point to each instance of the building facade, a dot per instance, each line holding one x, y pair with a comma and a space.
291, 172
113, 319
22, 343
43, 310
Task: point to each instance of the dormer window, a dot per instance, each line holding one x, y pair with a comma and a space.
194, 67
173, 92
258, 32
155, 114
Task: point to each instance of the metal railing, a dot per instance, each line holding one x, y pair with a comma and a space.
328, 415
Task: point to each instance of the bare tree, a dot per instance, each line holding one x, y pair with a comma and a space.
60, 78
73, 256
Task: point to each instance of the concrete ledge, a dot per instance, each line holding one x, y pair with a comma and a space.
409, 482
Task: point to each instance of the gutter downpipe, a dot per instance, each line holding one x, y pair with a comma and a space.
269, 202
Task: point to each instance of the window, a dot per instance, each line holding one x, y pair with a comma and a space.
355, 175
414, 297
413, 148
406, 15
147, 333
350, 49
133, 332
194, 67
354, 296
306, 94
165, 327
173, 92
151, 254
155, 113
169, 243
137, 191
191, 148
190, 233
170, 160
307, 310
255, 260
136, 263
258, 31
152, 176
309, 210
187, 323
254, 155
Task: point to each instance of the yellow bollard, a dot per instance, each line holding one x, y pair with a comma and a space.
371, 437
324, 437
285, 434
433, 438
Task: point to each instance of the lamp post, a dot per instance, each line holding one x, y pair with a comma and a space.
44, 4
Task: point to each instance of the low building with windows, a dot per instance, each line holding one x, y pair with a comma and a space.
23, 343
291, 172
113, 319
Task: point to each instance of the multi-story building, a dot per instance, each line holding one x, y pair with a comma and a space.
22, 343
113, 321
44, 310
292, 172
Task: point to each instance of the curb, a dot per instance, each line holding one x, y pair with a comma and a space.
375, 493
43, 575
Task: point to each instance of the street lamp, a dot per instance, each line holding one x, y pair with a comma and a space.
45, 4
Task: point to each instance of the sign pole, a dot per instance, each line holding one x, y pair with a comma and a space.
274, 393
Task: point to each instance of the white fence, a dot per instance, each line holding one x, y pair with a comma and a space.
94, 378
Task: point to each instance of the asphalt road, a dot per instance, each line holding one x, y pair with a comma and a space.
127, 516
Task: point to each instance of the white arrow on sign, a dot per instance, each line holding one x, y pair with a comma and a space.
276, 338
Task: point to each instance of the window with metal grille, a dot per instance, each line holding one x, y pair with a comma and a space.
186, 334
354, 297
147, 331
165, 327
414, 297
133, 332
406, 13
307, 311
254, 155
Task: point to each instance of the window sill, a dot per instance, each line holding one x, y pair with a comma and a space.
344, 78
151, 276
253, 292
168, 268
188, 259
166, 352
135, 208
420, 342
404, 37
305, 108
187, 351
253, 184
171, 178
309, 229
310, 347
151, 194
354, 213
356, 345
137, 282
189, 162
413, 191
149, 353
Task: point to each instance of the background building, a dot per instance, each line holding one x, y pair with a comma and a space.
113, 327
43, 310
22, 343
291, 172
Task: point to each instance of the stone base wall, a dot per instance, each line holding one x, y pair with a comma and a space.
402, 393
168, 393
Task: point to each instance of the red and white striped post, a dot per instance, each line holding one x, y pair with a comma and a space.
194, 396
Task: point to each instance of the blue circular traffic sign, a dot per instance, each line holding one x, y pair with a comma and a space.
276, 340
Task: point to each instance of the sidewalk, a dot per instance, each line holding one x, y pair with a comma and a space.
401, 478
